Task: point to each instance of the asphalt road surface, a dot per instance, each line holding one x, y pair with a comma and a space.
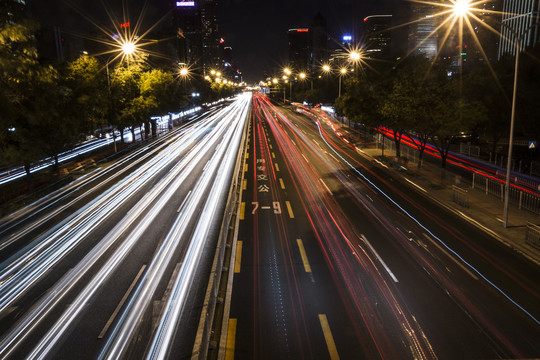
115, 265
337, 259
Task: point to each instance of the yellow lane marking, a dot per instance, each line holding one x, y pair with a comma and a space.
247, 155
238, 258
277, 167
291, 214
303, 255
231, 340
245, 167
273, 155
242, 210
244, 186
327, 336
270, 146
281, 183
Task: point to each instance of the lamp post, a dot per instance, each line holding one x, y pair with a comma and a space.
288, 73
342, 72
512, 118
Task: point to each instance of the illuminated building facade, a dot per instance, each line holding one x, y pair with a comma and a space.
522, 16
377, 36
423, 38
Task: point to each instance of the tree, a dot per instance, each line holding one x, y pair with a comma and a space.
452, 114
87, 80
409, 105
492, 91
21, 78
124, 82
160, 94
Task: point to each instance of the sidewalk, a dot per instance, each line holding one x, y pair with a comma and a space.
484, 211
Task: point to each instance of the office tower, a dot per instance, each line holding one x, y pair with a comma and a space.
521, 16
299, 49
377, 36
423, 38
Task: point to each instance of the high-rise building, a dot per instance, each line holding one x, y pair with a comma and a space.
299, 49
319, 53
377, 35
211, 41
196, 24
308, 47
521, 16
189, 33
423, 37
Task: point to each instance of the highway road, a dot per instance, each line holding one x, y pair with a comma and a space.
116, 264
336, 258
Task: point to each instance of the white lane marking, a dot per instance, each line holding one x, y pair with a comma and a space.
183, 202
415, 185
380, 259
326, 186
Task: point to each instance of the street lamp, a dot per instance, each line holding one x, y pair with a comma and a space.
288, 73
512, 117
128, 48
342, 72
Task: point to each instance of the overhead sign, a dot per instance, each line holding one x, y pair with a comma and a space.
532, 145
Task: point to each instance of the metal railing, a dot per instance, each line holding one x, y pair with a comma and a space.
460, 196
525, 200
532, 235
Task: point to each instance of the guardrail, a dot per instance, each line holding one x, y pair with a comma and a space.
532, 235
526, 200
207, 333
460, 196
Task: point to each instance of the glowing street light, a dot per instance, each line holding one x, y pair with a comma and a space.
287, 71
128, 48
354, 55
326, 68
461, 8
184, 71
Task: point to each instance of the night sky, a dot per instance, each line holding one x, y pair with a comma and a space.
256, 29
